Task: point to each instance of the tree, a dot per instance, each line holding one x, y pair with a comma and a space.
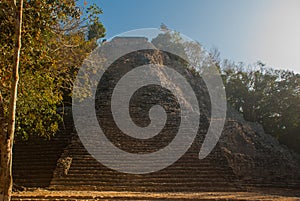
7, 138
267, 96
54, 38
96, 30
55, 44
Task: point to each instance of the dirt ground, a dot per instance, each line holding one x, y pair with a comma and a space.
252, 194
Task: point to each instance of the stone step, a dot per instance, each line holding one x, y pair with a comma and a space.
160, 175
152, 179
81, 168
143, 185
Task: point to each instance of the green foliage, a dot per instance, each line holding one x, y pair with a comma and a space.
54, 45
270, 97
96, 30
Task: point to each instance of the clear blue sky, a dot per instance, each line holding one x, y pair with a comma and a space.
242, 30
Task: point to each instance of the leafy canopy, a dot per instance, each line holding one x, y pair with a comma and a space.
56, 36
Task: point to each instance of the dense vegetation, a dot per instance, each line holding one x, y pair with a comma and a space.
56, 36
268, 96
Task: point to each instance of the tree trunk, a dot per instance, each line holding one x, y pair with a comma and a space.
7, 138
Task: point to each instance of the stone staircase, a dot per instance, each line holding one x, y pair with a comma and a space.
187, 174
36, 166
